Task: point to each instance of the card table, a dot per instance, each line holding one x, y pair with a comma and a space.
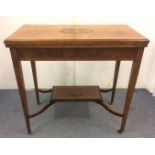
76, 43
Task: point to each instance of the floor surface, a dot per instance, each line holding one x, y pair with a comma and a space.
77, 119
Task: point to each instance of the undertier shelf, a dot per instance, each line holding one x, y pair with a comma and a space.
76, 93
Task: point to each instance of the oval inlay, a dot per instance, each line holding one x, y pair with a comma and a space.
76, 30
76, 93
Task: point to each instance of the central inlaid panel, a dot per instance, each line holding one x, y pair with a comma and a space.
76, 30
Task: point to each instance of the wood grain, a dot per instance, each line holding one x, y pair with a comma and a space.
76, 54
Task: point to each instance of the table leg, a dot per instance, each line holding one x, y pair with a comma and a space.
21, 87
117, 66
34, 73
131, 86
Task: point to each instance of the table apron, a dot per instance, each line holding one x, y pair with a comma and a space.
76, 54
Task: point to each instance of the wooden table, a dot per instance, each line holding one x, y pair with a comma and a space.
76, 43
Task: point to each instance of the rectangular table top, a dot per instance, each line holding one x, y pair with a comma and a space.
61, 36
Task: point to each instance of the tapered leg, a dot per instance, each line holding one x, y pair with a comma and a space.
117, 66
34, 73
21, 87
131, 86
